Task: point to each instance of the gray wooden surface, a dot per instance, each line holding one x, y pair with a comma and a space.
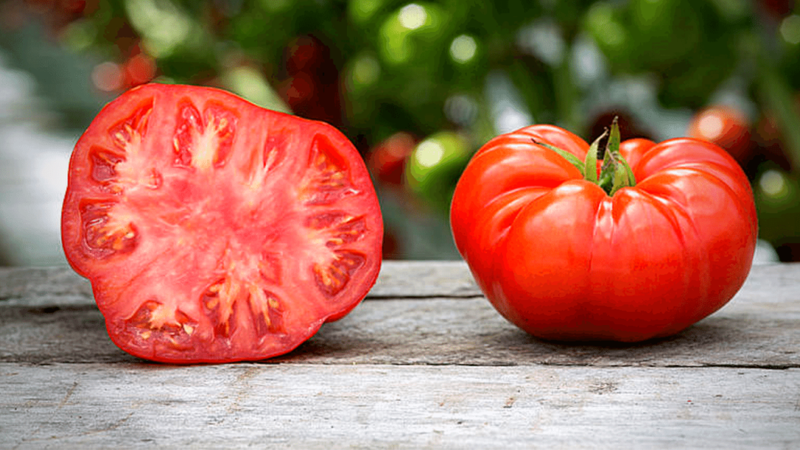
424, 362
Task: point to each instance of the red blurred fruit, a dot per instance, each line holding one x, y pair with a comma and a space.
778, 8
311, 86
299, 91
306, 53
139, 69
387, 160
725, 126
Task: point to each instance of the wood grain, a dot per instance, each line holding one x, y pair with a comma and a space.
424, 362
341, 406
58, 322
398, 279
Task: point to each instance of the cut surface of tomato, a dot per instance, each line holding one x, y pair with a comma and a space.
214, 230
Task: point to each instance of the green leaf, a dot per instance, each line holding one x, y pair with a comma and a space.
590, 163
621, 178
629, 171
564, 154
614, 138
606, 180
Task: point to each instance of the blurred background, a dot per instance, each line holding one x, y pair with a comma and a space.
417, 87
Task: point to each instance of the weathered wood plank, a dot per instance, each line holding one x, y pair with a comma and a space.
311, 406
426, 362
759, 328
43, 287
437, 331
470, 332
408, 279
398, 279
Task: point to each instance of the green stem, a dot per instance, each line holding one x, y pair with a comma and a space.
615, 173
590, 163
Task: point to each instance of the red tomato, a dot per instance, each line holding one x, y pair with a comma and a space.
139, 69
213, 230
306, 53
388, 159
563, 260
777, 8
724, 126
312, 86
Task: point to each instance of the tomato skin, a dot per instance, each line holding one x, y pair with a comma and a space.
563, 260
213, 230
634, 149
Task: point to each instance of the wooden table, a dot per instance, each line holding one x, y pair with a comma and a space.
424, 362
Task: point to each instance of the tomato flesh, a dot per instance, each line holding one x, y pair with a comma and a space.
214, 230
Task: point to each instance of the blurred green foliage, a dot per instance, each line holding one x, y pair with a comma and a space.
376, 68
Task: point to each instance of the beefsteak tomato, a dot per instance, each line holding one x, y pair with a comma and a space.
213, 230
564, 259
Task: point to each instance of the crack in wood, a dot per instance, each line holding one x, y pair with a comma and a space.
68, 395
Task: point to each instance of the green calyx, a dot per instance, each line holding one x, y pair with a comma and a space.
615, 173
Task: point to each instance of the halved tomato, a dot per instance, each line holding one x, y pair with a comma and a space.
214, 230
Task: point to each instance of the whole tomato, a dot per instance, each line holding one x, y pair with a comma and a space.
725, 126
566, 254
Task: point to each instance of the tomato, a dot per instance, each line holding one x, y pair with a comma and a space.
139, 69
311, 88
388, 159
725, 126
307, 54
564, 259
213, 230
777, 8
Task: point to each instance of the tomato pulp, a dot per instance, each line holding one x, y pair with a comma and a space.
565, 260
214, 230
